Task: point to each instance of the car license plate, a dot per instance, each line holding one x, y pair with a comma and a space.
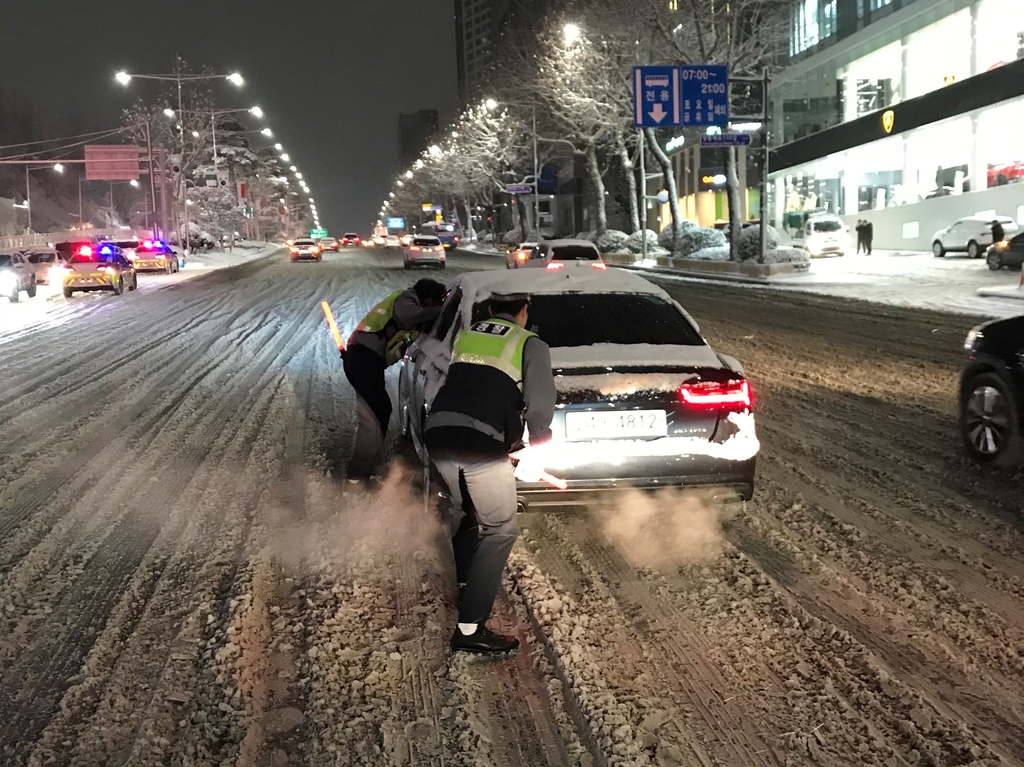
615, 424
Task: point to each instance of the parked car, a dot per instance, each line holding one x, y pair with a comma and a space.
1003, 173
557, 254
1006, 254
826, 234
642, 399
970, 235
103, 267
424, 250
992, 392
16, 275
44, 261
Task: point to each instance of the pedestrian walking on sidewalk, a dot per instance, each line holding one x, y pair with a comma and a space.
860, 234
869, 235
499, 385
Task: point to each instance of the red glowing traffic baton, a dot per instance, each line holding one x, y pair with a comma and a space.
556, 482
333, 325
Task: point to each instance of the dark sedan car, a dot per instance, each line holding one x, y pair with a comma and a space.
1006, 254
992, 392
642, 400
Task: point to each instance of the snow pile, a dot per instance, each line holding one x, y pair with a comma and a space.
749, 246
634, 243
612, 241
717, 253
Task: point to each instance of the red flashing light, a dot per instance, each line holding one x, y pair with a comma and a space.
86, 250
715, 394
599, 265
553, 265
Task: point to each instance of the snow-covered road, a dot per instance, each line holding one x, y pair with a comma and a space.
185, 577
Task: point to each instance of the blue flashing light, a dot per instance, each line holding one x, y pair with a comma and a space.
159, 244
106, 250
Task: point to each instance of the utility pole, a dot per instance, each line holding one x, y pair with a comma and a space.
764, 171
158, 223
28, 199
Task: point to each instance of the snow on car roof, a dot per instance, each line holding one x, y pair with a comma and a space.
479, 286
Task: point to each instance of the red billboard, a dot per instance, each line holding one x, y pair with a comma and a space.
111, 162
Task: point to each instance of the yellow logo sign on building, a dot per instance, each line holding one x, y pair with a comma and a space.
888, 120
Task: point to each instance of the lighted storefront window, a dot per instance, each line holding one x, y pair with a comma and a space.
872, 82
938, 158
939, 55
1001, 144
1000, 30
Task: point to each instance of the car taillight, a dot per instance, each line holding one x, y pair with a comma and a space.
109, 270
414, 249
717, 394
521, 256
599, 265
293, 249
161, 257
456, 238
554, 265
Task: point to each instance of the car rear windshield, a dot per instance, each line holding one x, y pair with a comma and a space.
426, 241
827, 226
573, 253
41, 258
581, 319
351, 235
102, 258
304, 242
5, 260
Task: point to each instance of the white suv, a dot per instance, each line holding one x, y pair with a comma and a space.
971, 235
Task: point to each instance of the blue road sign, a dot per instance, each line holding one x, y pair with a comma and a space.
519, 188
396, 223
726, 139
704, 93
655, 97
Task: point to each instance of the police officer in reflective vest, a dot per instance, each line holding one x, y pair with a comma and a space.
500, 379
381, 338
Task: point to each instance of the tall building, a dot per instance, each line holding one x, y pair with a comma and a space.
902, 112
415, 129
478, 23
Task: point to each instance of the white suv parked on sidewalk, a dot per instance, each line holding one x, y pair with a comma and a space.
971, 235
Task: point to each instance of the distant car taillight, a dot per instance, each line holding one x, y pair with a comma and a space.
734, 394
293, 249
553, 265
599, 265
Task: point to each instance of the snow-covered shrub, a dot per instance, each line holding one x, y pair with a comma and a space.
698, 238
717, 253
612, 241
665, 237
635, 242
787, 256
515, 236
749, 245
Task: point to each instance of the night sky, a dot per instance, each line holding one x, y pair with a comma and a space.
332, 76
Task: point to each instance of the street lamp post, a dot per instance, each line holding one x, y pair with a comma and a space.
235, 78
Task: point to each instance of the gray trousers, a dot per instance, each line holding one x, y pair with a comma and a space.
483, 528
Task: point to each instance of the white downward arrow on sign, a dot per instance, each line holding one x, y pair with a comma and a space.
658, 113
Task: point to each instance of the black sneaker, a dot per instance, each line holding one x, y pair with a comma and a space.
484, 641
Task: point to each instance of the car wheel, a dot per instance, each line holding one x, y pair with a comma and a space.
15, 295
995, 263
32, 289
135, 282
1002, 180
68, 292
441, 267
989, 421
973, 250
937, 250
408, 267
169, 269
118, 286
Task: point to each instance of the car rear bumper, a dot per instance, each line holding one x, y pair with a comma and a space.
428, 261
304, 257
150, 265
89, 283
722, 481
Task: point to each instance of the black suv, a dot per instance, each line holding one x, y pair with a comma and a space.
992, 392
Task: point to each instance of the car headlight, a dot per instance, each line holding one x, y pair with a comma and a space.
974, 337
7, 281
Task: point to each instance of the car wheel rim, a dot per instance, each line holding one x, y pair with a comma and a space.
987, 420
936, 249
972, 250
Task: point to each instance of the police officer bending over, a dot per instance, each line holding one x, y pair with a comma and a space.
500, 377
381, 339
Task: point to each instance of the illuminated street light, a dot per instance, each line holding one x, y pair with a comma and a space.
168, 112
256, 112
400, 182
391, 195
278, 147
435, 151
134, 183
285, 158
292, 168
236, 79
298, 175
123, 77
195, 134
491, 104
572, 33
408, 174
59, 168
267, 132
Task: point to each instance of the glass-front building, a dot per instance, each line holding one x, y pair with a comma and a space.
904, 104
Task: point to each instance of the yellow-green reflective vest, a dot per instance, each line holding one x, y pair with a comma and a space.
497, 343
377, 319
